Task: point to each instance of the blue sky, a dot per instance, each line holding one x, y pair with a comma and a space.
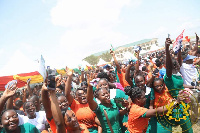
66, 31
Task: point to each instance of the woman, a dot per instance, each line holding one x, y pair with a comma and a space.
106, 106
62, 103
80, 106
139, 115
174, 82
65, 122
10, 119
162, 98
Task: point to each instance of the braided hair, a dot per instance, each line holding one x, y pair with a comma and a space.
134, 93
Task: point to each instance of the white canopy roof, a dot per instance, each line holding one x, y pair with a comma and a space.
19, 63
101, 62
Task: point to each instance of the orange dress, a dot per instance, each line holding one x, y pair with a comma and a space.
84, 114
162, 99
54, 129
122, 79
136, 123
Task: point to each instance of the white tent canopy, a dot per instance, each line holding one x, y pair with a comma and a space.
154, 47
101, 62
19, 63
128, 56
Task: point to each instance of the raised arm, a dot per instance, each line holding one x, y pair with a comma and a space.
91, 102
56, 112
9, 92
29, 88
138, 61
164, 109
46, 102
127, 74
68, 86
168, 58
195, 49
115, 60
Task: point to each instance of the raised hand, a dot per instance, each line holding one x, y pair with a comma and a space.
10, 91
44, 87
68, 72
197, 37
168, 42
28, 81
112, 52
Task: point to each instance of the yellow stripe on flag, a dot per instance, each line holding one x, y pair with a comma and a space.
34, 78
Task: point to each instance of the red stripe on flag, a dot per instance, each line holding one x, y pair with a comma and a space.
29, 74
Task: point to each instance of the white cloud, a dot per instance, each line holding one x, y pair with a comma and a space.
193, 23
89, 27
87, 12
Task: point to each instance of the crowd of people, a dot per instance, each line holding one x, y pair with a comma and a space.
138, 96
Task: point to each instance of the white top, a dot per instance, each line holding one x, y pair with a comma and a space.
189, 73
39, 121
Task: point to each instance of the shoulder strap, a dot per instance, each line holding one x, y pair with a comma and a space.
106, 115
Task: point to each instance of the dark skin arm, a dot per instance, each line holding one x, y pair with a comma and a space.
68, 87
46, 102
168, 58
195, 49
56, 112
29, 88
91, 102
6, 95
127, 74
115, 60
161, 110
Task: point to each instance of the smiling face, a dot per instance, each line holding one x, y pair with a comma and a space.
139, 81
141, 101
71, 122
10, 120
104, 96
63, 103
103, 84
158, 86
30, 110
81, 96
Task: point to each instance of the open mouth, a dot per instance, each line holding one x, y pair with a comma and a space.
83, 99
31, 111
12, 124
76, 124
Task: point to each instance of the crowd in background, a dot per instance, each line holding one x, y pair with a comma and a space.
133, 96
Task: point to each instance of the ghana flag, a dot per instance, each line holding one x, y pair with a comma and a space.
20, 68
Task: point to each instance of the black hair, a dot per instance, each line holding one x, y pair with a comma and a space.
4, 112
19, 103
103, 75
34, 97
80, 88
158, 63
134, 93
183, 55
103, 79
144, 68
84, 83
138, 76
156, 79
26, 103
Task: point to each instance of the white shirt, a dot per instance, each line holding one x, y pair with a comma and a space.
189, 73
39, 121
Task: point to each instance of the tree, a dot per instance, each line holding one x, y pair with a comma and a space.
93, 60
106, 56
